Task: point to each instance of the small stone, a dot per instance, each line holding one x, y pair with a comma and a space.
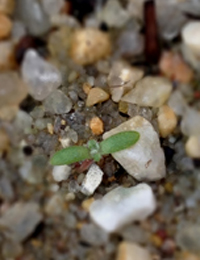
122, 205
173, 66
149, 91
192, 147
128, 250
52, 7
167, 121
144, 160
5, 26
87, 203
113, 14
7, 60
57, 103
177, 103
30, 12
96, 125
187, 237
89, 45
190, 124
8, 113
187, 256
86, 88
93, 235
41, 77
55, 205
92, 180
61, 173
95, 96
122, 78
12, 89
7, 6
20, 220
18, 31
4, 141
41, 123
50, 128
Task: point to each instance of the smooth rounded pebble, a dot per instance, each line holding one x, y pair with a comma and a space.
192, 147
95, 96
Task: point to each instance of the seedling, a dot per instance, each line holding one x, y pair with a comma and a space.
95, 150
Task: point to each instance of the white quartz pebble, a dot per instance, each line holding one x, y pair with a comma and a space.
61, 172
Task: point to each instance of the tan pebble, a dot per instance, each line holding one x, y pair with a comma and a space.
173, 66
4, 141
5, 26
7, 6
187, 256
123, 107
168, 187
167, 120
96, 125
86, 204
192, 146
86, 88
7, 113
95, 96
129, 251
7, 60
156, 240
89, 45
50, 128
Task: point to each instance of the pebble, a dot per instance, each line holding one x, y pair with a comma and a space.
128, 251
122, 78
30, 12
87, 203
113, 14
167, 121
89, 45
4, 141
187, 237
41, 77
173, 66
61, 173
96, 125
7, 61
52, 7
177, 103
145, 160
57, 103
121, 206
55, 205
92, 180
12, 89
7, 113
192, 146
86, 88
20, 220
190, 124
187, 256
7, 6
96, 95
149, 91
93, 235
18, 31
5, 26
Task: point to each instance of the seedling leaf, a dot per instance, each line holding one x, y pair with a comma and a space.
119, 142
70, 155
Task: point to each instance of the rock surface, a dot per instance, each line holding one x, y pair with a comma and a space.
20, 220
41, 77
144, 160
89, 45
149, 91
61, 172
92, 180
121, 206
128, 251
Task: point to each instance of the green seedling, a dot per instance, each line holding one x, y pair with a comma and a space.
95, 150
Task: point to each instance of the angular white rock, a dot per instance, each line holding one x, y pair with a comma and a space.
61, 172
145, 160
149, 91
127, 250
41, 77
122, 79
92, 180
122, 205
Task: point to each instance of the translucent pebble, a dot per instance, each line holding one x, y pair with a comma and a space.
41, 77
177, 103
57, 103
190, 124
30, 12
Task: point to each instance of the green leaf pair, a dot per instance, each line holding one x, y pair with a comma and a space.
95, 150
